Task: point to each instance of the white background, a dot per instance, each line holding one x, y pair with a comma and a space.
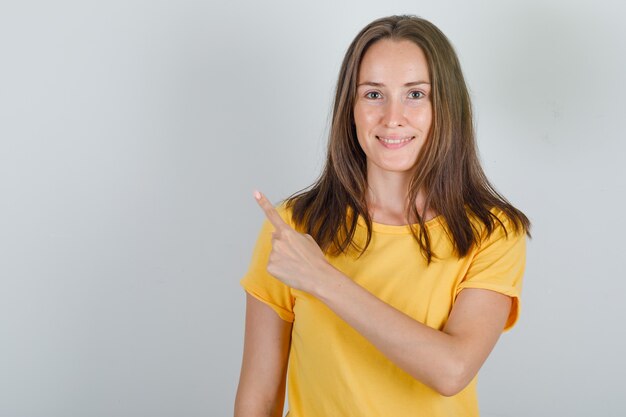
132, 134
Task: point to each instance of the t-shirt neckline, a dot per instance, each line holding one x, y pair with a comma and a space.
399, 229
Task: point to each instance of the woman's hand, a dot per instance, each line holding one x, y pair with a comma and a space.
295, 259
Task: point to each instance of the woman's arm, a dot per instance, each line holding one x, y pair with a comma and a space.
261, 391
446, 360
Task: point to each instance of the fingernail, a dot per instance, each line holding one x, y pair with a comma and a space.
257, 195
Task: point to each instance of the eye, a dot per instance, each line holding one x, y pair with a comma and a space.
416, 94
373, 95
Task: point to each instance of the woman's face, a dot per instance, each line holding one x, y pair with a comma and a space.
392, 111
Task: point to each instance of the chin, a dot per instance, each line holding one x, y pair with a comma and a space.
404, 167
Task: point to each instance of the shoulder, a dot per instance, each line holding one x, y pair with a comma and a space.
500, 222
286, 213
503, 228
506, 239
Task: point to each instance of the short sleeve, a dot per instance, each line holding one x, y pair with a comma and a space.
263, 286
498, 264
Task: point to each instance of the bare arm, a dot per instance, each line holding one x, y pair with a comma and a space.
261, 391
446, 360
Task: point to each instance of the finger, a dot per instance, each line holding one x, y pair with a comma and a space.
270, 212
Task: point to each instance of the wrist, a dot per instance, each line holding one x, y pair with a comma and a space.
328, 284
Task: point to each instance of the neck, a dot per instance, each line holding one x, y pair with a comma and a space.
388, 191
387, 197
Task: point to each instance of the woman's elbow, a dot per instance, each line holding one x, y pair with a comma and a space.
450, 388
454, 379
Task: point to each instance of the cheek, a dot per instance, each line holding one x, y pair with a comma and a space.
422, 118
358, 116
365, 117
362, 126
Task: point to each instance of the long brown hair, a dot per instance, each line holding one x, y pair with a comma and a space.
447, 170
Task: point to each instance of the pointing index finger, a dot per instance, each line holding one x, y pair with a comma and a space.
270, 212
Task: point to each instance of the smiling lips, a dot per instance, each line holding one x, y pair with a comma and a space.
394, 142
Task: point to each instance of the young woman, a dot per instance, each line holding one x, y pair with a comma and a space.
382, 288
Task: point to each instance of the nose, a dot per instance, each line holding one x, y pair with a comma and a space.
394, 114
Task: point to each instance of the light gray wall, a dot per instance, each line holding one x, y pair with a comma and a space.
133, 132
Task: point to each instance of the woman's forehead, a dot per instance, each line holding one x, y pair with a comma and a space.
393, 62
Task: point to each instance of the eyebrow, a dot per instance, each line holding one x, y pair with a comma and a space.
374, 84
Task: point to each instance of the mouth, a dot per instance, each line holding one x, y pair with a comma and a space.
394, 142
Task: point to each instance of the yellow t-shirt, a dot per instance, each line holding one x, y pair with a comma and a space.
333, 370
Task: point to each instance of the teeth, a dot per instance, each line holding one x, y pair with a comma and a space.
394, 141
